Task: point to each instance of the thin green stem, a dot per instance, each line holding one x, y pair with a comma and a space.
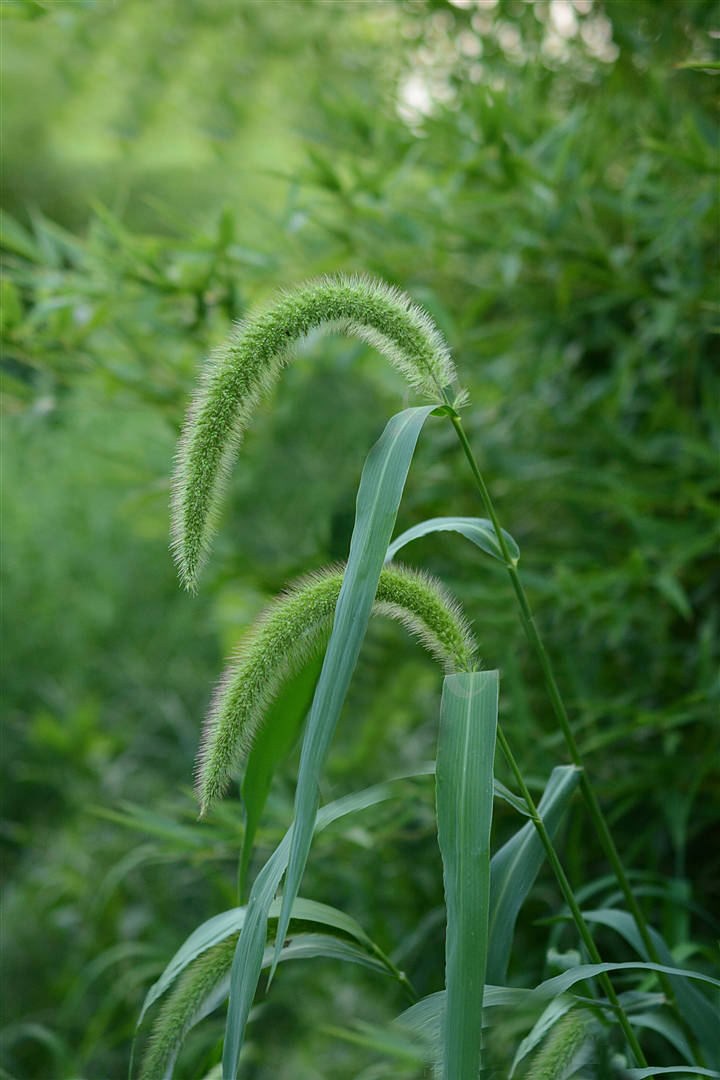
571, 902
591, 802
401, 977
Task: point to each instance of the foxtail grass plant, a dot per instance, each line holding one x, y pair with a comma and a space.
249, 730
294, 629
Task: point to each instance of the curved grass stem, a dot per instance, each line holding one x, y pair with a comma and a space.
588, 793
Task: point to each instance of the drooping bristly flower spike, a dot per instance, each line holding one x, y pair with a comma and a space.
248, 364
180, 1011
297, 626
565, 1049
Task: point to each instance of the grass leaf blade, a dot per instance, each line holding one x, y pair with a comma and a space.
466, 752
479, 530
699, 1013
273, 742
515, 866
379, 494
560, 983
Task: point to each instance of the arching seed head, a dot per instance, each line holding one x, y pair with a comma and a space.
246, 366
293, 628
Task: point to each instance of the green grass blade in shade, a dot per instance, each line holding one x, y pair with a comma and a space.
203, 937
479, 530
425, 1018
307, 946
560, 983
516, 801
247, 963
464, 779
273, 742
666, 1026
381, 487
221, 926
515, 866
671, 1070
702, 1016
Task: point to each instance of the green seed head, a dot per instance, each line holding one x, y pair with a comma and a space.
562, 1049
248, 364
295, 627
178, 1012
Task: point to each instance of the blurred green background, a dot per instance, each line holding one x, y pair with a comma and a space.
543, 177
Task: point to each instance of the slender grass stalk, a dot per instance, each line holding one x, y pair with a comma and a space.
571, 902
591, 802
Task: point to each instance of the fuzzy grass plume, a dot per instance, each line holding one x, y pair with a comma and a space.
565, 1048
179, 1011
248, 364
292, 629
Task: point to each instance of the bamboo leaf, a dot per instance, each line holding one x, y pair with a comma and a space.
379, 494
479, 530
515, 866
464, 778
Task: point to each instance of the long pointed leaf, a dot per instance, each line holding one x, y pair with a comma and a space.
426, 1018
560, 983
302, 947
272, 744
515, 866
222, 926
677, 1070
464, 777
701, 1015
247, 963
479, 530
381, 487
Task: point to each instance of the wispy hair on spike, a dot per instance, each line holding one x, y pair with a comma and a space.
246, 366
293, 628
179, 1011
565, 1048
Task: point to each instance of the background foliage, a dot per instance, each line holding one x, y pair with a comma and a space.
543, 178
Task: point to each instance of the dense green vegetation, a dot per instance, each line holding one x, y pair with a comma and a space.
543, 179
